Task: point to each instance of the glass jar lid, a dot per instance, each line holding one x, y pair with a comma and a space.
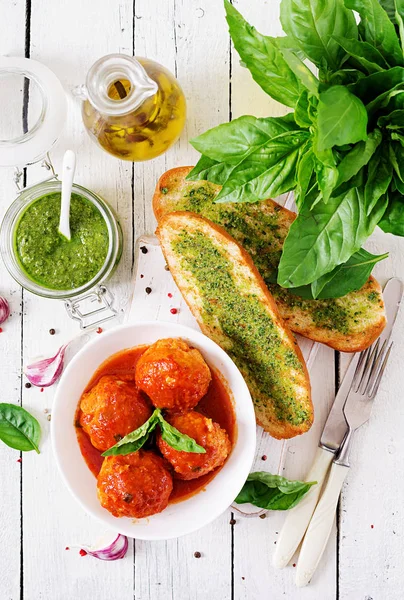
33, 109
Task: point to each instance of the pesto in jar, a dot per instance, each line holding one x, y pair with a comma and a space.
49, 259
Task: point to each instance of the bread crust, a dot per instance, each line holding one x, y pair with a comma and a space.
276, 428
303, 317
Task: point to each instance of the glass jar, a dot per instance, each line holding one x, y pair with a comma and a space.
80, 301
33, 92
134, 108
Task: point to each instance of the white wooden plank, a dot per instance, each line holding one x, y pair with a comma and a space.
168, 569
370, 558
69, 37
11, 43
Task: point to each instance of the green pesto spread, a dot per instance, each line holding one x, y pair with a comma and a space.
48, 258
260, 233
255, 343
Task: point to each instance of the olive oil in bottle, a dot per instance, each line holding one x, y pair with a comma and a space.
134, 108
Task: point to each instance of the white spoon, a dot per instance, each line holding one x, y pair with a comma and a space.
69, 167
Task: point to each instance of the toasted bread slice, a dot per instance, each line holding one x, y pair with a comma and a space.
348, 324
233, 306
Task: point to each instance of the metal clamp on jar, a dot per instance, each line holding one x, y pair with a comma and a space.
87, 300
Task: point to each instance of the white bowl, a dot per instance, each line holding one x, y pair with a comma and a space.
179, 518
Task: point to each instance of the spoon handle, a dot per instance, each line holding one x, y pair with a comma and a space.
69, 167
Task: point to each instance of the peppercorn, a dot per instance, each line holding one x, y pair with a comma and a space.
197, 554
52, 331
148, 290
264, 457
232, 521
173, 311
28, 385
143, 249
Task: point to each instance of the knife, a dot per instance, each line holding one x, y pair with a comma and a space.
334, 432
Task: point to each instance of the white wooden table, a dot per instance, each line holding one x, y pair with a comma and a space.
38, 518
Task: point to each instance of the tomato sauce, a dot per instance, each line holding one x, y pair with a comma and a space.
216, 404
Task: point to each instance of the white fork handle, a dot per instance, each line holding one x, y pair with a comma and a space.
319, 530
298, 517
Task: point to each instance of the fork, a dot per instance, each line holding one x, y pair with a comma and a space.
369, 371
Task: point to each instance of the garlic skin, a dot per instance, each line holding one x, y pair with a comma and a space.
47, 371
4, 310
111, 547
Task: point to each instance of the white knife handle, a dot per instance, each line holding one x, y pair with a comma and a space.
319, 530
298, 517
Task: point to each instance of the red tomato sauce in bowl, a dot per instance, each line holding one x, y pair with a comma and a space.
217, 404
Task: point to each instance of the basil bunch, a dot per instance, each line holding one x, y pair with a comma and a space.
136, 439
342, 149
272, 492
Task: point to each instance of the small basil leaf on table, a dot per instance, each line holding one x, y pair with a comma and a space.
18, 428
272, 492
261, 55
308, 252
177, 440
313, 24
136, 439
341, 118
393, 219
376, 28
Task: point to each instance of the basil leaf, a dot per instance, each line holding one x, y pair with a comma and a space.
377, 29
233, 142
313, 24
177, 440
305, 172
18, 428
269, 171
261, 55
272, 492
301, 71
341, 118
326, 235
364, 53
396, 156
399, 16
346, 278
378, 178
393, 219
136, 439
302, 114
394, 120
358, 157
389, 7
208, 169
345, 77
374, 89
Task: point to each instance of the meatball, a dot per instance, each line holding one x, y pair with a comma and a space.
112, 409
136, 485
207, 434
173, 375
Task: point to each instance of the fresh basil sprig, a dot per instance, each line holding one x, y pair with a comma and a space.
136, 439
341, 151
18, 428
272, 492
